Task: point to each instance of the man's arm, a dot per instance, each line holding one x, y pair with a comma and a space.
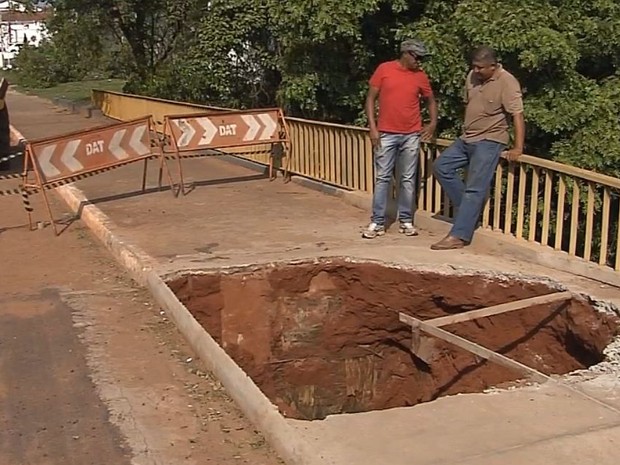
512, 100
373, 92
426, 92
517, 147
429, 130
466, 87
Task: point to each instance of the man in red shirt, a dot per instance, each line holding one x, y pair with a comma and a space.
399, 85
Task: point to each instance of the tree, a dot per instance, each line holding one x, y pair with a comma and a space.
310, 57
151, 29
314, 58
327, 50
228, 59
79, 47
564, 52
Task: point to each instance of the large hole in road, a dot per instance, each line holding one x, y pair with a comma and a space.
324, 338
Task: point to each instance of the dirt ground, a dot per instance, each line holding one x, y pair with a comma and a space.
89, 368
325, 338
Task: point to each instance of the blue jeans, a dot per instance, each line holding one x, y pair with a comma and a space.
481, 159
393, 148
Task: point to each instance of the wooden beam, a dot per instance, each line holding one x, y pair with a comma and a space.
423, 346
476, 349
495, 310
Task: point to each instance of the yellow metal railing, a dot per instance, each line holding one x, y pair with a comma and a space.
535, 200
333, 153
538, 200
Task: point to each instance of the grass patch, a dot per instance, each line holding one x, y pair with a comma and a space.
74, 91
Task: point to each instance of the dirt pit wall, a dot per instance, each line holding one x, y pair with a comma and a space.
324, 338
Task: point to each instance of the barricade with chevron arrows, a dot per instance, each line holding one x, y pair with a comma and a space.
52, 162
206, 134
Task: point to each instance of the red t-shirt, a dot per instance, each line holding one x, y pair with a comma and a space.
399, 97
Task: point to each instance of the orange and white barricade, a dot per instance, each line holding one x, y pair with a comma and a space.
207, 134
60, 160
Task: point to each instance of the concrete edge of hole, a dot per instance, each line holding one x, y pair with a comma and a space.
612, 351
521, 249
442, 269
250, 399
601, 305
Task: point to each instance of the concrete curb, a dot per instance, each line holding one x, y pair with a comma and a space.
508, 245
86, 109
137, 262
249, 164
254, 404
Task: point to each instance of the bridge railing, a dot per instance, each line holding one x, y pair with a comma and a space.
571, 210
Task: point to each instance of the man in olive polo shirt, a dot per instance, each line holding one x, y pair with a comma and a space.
493, 96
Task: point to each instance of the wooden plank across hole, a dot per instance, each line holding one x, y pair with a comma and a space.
490, 311
423, 347
478, 350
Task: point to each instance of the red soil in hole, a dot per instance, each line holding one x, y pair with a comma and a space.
322, 339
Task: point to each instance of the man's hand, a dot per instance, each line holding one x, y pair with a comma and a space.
428, 132
375, 138
512, 154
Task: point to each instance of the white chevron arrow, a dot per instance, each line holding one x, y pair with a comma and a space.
252, 125
68, 156
270, 125
187, 132
136, 141
115, 145
210, 130
45, 161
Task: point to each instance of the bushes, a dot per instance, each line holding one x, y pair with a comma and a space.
40, 67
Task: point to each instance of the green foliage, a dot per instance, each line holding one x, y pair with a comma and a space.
314, 57
79, 91
228, 62
151, 30
42, 66
327, 51
553, 47
595, 143
80, 47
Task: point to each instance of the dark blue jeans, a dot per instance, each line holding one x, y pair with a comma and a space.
481, 159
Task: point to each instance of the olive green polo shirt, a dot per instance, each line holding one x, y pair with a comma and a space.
489, 105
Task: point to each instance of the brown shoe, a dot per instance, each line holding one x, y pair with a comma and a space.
449, 243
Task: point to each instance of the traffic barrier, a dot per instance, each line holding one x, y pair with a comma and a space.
60, 160
10, 157
207, 134
10, 176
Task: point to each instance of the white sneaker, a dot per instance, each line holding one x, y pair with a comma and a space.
407, 229
373, 231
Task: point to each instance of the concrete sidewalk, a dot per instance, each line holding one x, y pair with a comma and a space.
236, 216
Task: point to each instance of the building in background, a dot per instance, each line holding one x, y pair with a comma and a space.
19, 26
